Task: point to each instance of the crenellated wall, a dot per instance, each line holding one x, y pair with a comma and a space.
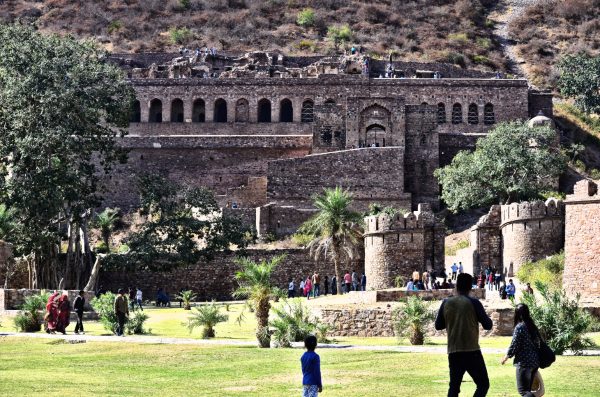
531, 231
400, 244
582, 241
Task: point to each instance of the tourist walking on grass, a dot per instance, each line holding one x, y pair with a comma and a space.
78, 306
311, 369
459, 316
347, 281
132, 298
51, 316
64, 314
511, 290
121, 311
138, 298
524, 348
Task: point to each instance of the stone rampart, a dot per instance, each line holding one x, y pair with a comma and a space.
396, 294
582, 241
400, 244
486, 241
530, 231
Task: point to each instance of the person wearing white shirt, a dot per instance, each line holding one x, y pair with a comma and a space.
138, 298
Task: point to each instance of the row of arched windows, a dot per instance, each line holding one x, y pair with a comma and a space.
242, 111
472, 114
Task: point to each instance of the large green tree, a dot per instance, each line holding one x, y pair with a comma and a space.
62, 107
513, 162
335, 229
580, 80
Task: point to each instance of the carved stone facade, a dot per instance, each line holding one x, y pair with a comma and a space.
400, 244
582, 241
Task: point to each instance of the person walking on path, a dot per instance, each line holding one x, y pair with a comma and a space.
363, 282
511, 290
459, 316
316, 281
334, 286
524, 348
122, 311
51, 316
347, 281
311, 369
454, 269
64, 314
497, 279
461, 269
426, 280
78, 305
302, 284
291, 288
138, 298
307, 288
355, 282
326, 284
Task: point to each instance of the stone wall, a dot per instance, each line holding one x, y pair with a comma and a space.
12, 299
215, 279
486, 241
396, 294
400, 244
280, 221
531, 231
582, 241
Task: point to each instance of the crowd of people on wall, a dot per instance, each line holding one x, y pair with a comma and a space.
315, 285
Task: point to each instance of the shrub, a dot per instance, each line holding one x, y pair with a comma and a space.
104, 306
29, 319
595, 173
306, 18
186, 298
562, 323
484, 43
114, 26
135, 324
206, 316
293, 322
481, 60
411, 319
547, 271
339, 35
180, 35
399, 282
101, 248
452, 250
306, 45
302, 239
457, 59
458, 37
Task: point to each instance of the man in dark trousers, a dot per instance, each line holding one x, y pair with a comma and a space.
78, 307
461, 315
122, 311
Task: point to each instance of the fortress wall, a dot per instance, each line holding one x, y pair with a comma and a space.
451, 144
210, 128
531, 231
582, 241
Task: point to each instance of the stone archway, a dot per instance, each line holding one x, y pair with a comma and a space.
375, 126
375, 136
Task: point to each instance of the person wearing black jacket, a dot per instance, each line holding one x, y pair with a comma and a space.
78, 307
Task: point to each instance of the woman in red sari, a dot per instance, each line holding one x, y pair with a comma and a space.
64, 313
51, 313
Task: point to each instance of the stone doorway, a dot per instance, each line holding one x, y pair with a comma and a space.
375, 136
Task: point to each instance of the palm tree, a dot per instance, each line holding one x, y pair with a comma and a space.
7, 221
186, 298
206, 316
105, 222
256, 286
335, 229
412, 318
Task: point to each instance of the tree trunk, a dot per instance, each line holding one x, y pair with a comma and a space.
91, 284
336, 266
262, 318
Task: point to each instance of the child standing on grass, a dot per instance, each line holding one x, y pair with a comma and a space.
311, 369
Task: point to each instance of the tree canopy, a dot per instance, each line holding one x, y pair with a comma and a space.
514, 162
62, 107
580, 80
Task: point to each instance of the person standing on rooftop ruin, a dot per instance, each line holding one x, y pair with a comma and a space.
460, 316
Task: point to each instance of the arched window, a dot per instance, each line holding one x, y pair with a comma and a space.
264, 111
220, 112
155, 115
242, 111
473, 114
286, 111
308, 111
488, 114
199, 111
457, 117
177, 111
423, 140
330, 101
136, 112
441, 113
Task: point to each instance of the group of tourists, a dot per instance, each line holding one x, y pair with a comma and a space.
58, 313
314, 286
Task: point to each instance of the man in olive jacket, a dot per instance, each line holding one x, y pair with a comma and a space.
461, 315
122, 311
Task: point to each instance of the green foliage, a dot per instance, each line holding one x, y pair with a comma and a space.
459, 37
306, 18
484, 42
580, 80
561, 321
101, 248
293, 322
456, 59
256, 286
513, 162
306, 45
302, 239
135, 323
105, 222
7, 222
399, 282
206, 316
591, 122
339, 35
29, 319
545, 195
547, 271
186, 298
62, 107
481, 59
411, 319
186, 4
452, 250
376, 209
180, 35
114, 26
104, 306
185, 225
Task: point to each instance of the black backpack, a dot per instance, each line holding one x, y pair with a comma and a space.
545, 354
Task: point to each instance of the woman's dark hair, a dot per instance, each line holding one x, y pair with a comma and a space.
522, 315
310, 343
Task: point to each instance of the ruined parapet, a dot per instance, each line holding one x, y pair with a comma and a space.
486, 241
531, 231
582, 241
400, 244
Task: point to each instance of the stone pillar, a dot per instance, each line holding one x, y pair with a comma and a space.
209, 109
297, 104
188, 104
144, 110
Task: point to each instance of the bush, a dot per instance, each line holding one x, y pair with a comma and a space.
457, 59
186, 298
114, 26
411, 319
452, 250
101, 248
293, 322
104, 306
135, 324
339, 34
306, 45
547, 271
206, 316
302, 239
306, 18
29, 319
562, 323
180, 35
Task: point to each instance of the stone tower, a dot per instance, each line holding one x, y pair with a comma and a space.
400, 244
530, 231
582, 241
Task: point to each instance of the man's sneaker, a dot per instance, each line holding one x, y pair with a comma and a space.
76, 333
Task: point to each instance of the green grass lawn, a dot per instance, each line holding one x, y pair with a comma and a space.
32, 366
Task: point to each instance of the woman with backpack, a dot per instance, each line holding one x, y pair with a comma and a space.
525, 348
